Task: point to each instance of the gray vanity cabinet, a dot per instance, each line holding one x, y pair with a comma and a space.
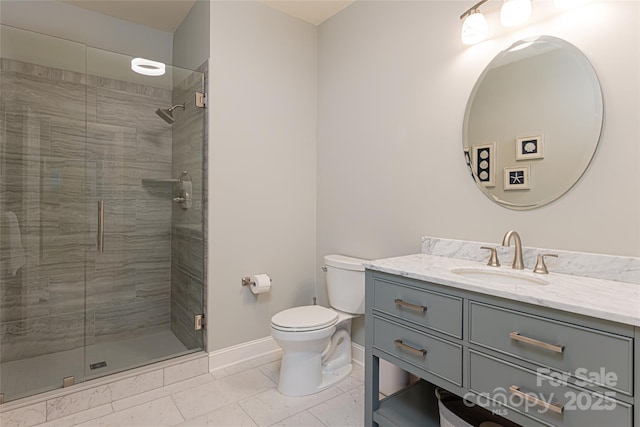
532, 365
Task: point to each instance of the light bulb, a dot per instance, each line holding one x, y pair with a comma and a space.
474, 28
515, 12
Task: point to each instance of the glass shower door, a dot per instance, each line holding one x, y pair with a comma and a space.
141, 289
44, 212
101, 213
129, 276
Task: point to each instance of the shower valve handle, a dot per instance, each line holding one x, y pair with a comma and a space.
183, 199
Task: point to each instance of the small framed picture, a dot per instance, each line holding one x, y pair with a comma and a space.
516, 178
483, 161
531, 147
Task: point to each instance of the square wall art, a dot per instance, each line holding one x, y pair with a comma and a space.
516, 178
531, 147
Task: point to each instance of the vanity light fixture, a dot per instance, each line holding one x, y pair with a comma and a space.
147, 67
515, 12
474, 27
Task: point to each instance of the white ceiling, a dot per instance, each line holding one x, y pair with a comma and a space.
166, 15
312, 11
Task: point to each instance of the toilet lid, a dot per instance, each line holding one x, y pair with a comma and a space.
305, 318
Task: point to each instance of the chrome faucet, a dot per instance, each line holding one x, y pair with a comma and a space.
518, 264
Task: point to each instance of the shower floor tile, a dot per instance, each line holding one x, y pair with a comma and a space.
21, 378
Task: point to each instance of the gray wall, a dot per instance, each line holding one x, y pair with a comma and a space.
191, 39
262, 164
394, 80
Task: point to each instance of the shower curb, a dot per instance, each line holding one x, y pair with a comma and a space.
63, 402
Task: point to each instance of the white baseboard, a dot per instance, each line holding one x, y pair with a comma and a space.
241, 353
357, 354
245, 352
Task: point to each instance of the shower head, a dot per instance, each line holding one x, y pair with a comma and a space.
166, 114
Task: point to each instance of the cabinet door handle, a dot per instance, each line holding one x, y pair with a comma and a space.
516, 336
419, 351
514, 389
420, 308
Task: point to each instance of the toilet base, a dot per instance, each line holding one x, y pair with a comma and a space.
313, 361
329, 379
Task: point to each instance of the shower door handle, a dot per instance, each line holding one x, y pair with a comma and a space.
100, 239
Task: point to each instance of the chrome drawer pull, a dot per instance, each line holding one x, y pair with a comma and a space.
514, 389
516, 336
419, 351
420, 308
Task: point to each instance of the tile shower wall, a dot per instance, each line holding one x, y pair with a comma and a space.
187, 241
54, 169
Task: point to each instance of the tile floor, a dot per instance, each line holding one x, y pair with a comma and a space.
244, 395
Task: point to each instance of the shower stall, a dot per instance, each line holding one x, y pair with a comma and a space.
102, 249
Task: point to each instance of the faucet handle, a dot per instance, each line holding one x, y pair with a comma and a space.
541, 267
493, 259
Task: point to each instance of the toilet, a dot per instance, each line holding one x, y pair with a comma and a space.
315, 340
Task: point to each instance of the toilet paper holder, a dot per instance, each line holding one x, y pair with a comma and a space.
246, 281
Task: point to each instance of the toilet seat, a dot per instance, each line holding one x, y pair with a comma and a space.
304, 319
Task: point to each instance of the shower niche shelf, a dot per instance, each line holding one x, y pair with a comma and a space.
160, 180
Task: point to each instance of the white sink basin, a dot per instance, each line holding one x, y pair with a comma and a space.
499, 276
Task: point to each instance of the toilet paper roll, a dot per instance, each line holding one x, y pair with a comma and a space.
261, 283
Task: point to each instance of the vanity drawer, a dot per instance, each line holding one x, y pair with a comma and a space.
433, 310
437, 356
587, 354
554, 403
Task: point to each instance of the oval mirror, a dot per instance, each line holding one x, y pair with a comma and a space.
533, 122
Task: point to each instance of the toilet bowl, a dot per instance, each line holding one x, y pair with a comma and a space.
316, 340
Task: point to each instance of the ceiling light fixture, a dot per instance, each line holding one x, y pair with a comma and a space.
474, 26
147, 67
515, 12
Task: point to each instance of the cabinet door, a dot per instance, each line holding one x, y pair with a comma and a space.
433, 310
543, 398
434, 355
587, 354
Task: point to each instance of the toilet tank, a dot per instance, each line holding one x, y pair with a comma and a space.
345, 283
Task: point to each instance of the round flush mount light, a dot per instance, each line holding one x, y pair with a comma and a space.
147, 67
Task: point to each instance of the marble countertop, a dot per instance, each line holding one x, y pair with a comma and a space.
603, 299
